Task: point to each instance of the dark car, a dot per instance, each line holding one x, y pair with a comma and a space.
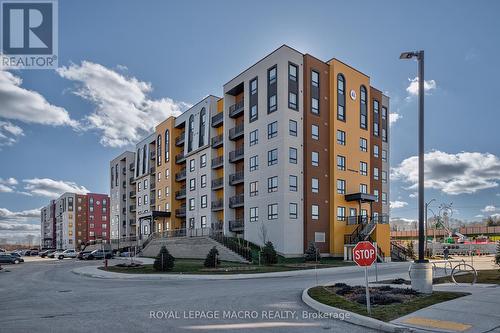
45, 253
27, 253
15, 254
98, 254
81, 255
7, 258
34, 253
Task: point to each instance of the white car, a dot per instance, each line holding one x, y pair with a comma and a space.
67, 254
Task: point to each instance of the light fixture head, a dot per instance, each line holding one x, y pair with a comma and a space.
408, 55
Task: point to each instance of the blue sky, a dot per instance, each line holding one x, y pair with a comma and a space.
164, 56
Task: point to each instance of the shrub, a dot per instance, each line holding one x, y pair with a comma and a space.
212, 259
312, 252
405, 291
344, 290
269, 255
385, 288
410, 251
340, 285
399, 281
164, 261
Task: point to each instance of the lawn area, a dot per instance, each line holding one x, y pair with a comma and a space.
382, 312
195, 266
491, 276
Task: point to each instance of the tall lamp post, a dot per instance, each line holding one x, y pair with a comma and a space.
421, 270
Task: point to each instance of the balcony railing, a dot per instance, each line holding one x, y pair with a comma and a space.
131, 180
131, 167
236, 225
179, 141
180, 212
124, 197
124, 171
236, 132
217, 119
181, 175
217, 162
236, 155
217, 141
152, 186
237, 201
217, 183
132, 208
237, 178
180, 158
217, 205
132, 194
152, 202
124, 210
236, 109
153, 155
358, 219
181, 194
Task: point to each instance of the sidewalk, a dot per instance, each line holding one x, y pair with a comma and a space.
478, 312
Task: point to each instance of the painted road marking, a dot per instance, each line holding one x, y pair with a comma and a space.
442, 324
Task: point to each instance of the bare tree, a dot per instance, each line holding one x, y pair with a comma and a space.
263, 233
29, 239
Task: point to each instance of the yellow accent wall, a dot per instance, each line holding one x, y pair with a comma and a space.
382, 235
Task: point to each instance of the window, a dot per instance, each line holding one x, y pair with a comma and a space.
292, 100
272, 211
254, 188
315, 132
315, 185
319, 237
159, 176
315, 212
384, 113
191, 223
375, 117
272, 74
167, 190
363, 168
363, 109
190, 133
167, 207
203, 181
292, 152
384, 198
146, 199
375, 151
375, 173
341, 213
253, 113
292, 72
203, 160
203, 221
253, 86
315, 79
340, 162
192, 184
314, 105
191, 204
341, 137
363, 188
191, 165
353, 212
384, 135
254, 137
254, 214
202, 126
272, 130
340, 97
272, 104
253, 98
167, 145
375, 193
340, 186
167, 173
384, 155
158, 150
292, 180
293, 207
272, 157
363, 144
272, 184
159, 193
292, 127
145, 184
384, 176
204, 201
254, 163
315, 158
139, 201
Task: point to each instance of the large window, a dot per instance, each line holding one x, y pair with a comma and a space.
292, 72
292, 127
363, 144
315, 185
190, 133
363, 121
363, 168
158, 150
254, 113
314, 132
375, 173
254, 137
272, 130
167, 145
341, 137
254, 163
341, 213
314, 212
254, 188
272, 184
254, 214
314, 79
314, 105
340, 97
253, 86
292, 154
272, 211
203, 122
375, 117
293, 208
272, 157
272, 75
315, 158
204, 201
340, 162
340, 186
292, 180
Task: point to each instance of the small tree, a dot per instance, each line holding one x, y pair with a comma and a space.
269, 255
497, 255
212, 259
312, 252
164, 260
410, 252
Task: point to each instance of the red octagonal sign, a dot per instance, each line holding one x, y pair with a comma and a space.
364, 254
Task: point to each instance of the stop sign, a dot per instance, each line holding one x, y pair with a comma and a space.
364, 253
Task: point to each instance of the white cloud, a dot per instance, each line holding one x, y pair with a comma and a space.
412, 88
489, 209
465, 172
7, 185
124, 113
413, 195
479, 216
398, 204
394, 117
9, 133
50, 188
27, 105
15, 225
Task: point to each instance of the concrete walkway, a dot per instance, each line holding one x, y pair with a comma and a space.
478, 312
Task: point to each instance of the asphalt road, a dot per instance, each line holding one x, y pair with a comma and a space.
45, 296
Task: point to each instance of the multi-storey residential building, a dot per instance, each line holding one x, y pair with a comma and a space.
122, 196
296, 151
48, 225
80, 219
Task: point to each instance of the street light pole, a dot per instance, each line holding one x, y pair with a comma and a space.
427, 204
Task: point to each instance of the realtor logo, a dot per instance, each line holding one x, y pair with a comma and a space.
29, 34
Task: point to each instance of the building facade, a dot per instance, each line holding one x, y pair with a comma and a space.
48, 225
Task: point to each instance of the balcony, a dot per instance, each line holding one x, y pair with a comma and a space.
236, 225
131, 167
180, 212
152, 155
237, 178
217, 162
218, 225
217, 183
133, 194
131, 180
180, 158
217, 205
358, 219
124, 184
236, 109
124, 171
152, 202
132, 208
217, 141
179, 141
152, 185
181, 175
152, 169
236, 155
237, 201
181, 194
124, 210
132, 222
236, 132
124, 197
217, 119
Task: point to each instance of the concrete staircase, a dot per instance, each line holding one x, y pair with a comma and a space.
190, 248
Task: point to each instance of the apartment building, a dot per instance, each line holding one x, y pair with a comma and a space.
295, 151
48, 225
123, 196
79, 219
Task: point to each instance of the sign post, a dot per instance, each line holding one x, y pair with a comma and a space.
364, 255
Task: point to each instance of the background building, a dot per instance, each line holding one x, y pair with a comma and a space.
48, 225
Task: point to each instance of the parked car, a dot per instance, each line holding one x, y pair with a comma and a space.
45, 253
15, 254
26, 253
55, 254
82, 254
9, 258
2, 250
98, 254
67, 254
34, 252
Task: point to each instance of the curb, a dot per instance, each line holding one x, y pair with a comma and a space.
354, 318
